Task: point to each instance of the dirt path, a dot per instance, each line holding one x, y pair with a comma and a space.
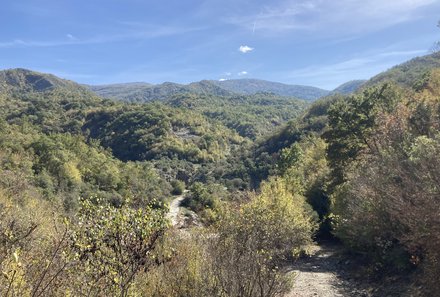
321, 275
174, 213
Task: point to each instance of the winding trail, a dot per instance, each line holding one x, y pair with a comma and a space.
174, 212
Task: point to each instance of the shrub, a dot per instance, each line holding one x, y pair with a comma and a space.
178, 187
253, 242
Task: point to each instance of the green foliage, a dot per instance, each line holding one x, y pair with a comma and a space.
146, 132
58, 142
178, 187
252, 243
289, 157
352, 122
375, 154
250, 116
255, 86
114, 244
63, 167
144, 92
307, 172
205, 200
185, 269
408, 73
387, 206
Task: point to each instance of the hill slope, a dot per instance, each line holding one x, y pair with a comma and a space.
25, 81
349, 87
408, 73
253, 86
250, 116
132, 131
119, 90
314, 121
143, 92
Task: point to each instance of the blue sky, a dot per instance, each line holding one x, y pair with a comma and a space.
314, 42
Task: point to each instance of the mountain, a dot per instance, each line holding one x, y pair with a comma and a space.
349, 87
143, 92
119, 90
253, 86
23, 80
55, 105
50, 103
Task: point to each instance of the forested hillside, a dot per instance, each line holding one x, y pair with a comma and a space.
250, 116
349, 87
253, 86
144, 92
86, 183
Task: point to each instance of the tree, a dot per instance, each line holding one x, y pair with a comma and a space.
252, 244
114, 244
352, 122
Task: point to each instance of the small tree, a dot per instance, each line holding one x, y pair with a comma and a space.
252, 243
178, 187
114, 244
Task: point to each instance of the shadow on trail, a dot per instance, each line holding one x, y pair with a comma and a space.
322, 274
331, 272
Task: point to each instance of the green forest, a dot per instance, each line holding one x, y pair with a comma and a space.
87, 185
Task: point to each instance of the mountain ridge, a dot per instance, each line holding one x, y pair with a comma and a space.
34, 81
29, 80
148, 92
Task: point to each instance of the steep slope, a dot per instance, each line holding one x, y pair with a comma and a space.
408, 73
249, 115
51, 103
25, 81
252, 86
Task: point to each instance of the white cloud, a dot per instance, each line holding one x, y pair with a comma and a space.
245, 49
241, 73
70, 37
222, 79
342, 16
228, 73
99, 39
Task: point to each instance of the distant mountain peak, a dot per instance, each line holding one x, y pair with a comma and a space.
20, 79
245, 86
250, 86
